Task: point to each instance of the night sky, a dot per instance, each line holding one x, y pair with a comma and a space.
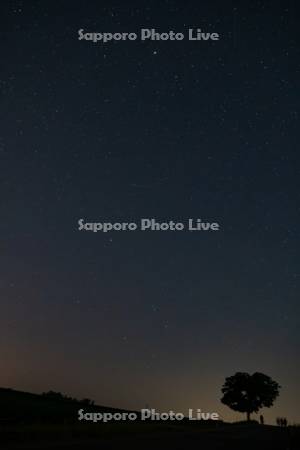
169, 130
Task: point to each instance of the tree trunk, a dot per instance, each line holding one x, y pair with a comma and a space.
248, 416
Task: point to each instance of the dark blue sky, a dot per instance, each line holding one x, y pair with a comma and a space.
170, 130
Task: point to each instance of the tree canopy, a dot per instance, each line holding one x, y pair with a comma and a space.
248, 393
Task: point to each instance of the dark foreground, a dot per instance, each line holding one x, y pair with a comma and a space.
50, 421
151, 436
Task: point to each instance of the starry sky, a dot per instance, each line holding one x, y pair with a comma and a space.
120, 131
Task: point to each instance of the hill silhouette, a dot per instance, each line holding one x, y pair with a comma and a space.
52, 407
50, 421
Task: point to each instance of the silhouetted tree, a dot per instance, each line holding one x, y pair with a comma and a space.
54, 395
58, 396
248, 393
87, 402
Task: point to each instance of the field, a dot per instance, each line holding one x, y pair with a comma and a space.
30, 421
